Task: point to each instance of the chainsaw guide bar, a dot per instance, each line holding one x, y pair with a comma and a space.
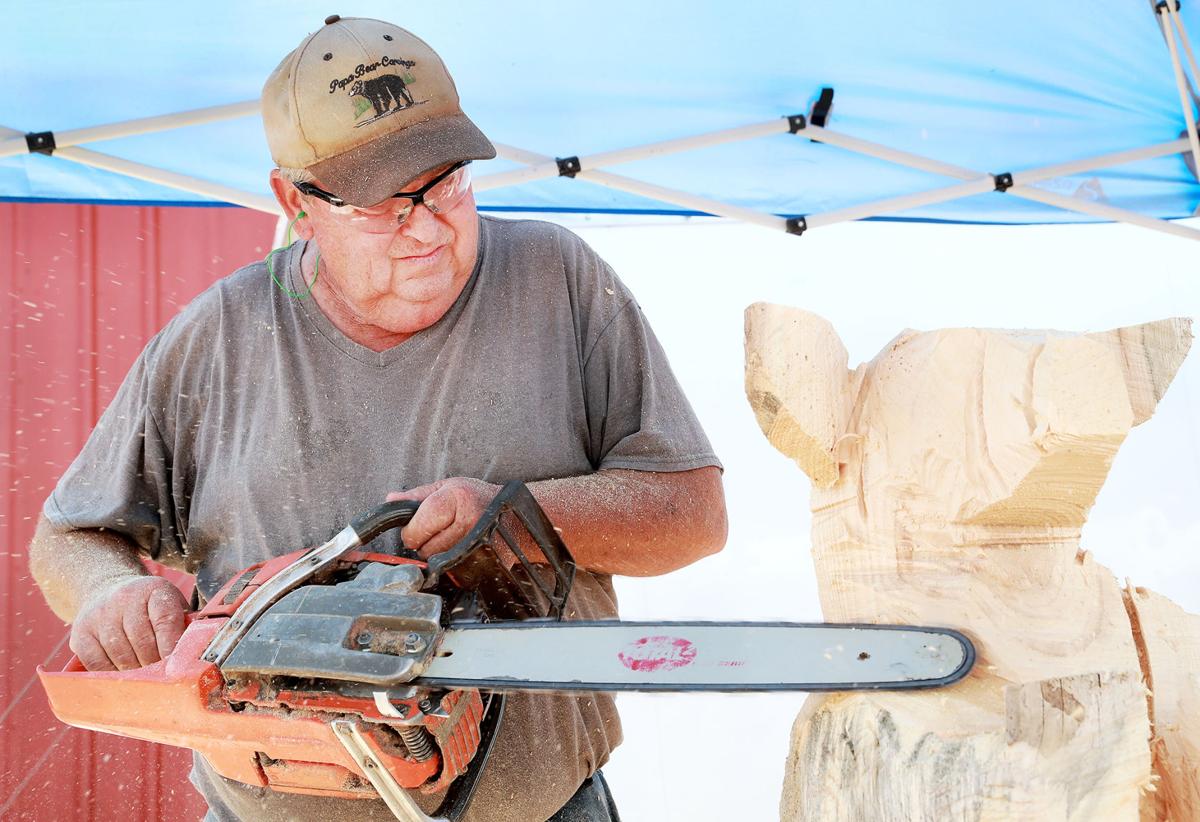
697, 656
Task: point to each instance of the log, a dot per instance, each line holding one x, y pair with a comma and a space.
951, 477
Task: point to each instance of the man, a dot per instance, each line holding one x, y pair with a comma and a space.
405, 345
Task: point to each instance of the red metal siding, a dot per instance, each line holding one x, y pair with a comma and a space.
82, 289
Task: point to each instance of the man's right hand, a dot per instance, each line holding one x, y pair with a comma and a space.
130, 624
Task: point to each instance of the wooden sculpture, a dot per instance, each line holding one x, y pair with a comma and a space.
951, 476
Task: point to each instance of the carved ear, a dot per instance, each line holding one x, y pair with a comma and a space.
1084, 394
798, 385
1149, 355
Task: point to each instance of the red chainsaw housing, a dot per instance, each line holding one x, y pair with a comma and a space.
255, 733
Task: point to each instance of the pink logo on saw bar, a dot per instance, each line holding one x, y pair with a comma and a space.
657, 653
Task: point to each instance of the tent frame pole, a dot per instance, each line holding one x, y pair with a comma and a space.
591, 168
145, 125
1021, 180
667, 195
692, 201
541, 166
547, 167
170, 179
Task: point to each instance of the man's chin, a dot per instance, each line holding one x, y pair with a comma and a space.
420, 284
412, 315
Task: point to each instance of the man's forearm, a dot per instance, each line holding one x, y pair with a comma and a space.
71, 565
637, 523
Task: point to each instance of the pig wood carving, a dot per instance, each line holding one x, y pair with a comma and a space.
951, 477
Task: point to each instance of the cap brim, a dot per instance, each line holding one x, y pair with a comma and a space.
370, 173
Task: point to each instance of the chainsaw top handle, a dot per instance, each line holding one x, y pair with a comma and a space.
384, 518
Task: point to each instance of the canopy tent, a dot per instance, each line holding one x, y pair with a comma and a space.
1016, 112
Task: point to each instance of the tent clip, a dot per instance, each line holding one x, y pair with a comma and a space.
568, 166
1161, 6
40, 142
796, 225
1003, 181
796, 122
821, 108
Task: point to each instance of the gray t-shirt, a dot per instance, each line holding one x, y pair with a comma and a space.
250, 426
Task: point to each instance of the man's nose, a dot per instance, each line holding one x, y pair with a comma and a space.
422, 224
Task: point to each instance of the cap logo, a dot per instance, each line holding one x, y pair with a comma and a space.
381, 95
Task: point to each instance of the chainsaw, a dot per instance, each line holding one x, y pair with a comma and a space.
339, 671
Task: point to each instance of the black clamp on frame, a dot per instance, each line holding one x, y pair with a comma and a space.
797, 225
820, 110
1003, 181
40, 142
1161, 6
568, 166
796, 122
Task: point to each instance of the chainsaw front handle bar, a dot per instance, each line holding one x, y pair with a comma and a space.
384, 518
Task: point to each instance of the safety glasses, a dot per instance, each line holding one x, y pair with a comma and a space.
439, 195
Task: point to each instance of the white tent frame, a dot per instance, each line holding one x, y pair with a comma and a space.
592, 168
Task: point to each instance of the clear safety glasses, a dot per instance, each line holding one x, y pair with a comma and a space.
439, 195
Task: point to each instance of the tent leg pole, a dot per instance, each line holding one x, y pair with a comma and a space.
1185, 42
1185, 98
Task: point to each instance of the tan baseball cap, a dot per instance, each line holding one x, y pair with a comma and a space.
366, 107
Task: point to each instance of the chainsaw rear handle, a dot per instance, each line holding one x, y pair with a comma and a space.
383, 518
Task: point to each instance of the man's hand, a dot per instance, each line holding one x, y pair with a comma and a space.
131, 624
448, 509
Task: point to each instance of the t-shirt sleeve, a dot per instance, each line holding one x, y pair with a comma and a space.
638, 416
121, 480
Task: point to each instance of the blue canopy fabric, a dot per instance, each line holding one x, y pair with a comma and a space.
988, 86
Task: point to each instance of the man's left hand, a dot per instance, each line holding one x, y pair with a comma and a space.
448, 509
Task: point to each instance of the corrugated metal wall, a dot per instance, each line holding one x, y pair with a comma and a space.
82, 289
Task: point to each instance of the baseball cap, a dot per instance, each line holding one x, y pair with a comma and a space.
366, 106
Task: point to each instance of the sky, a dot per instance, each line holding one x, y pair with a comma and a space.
721, 757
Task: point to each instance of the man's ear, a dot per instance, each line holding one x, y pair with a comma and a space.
288, 197
1149, 355
798, 385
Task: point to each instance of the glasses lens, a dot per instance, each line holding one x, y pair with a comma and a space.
448, 192
377, 219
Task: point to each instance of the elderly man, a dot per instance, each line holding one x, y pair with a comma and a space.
404, 346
